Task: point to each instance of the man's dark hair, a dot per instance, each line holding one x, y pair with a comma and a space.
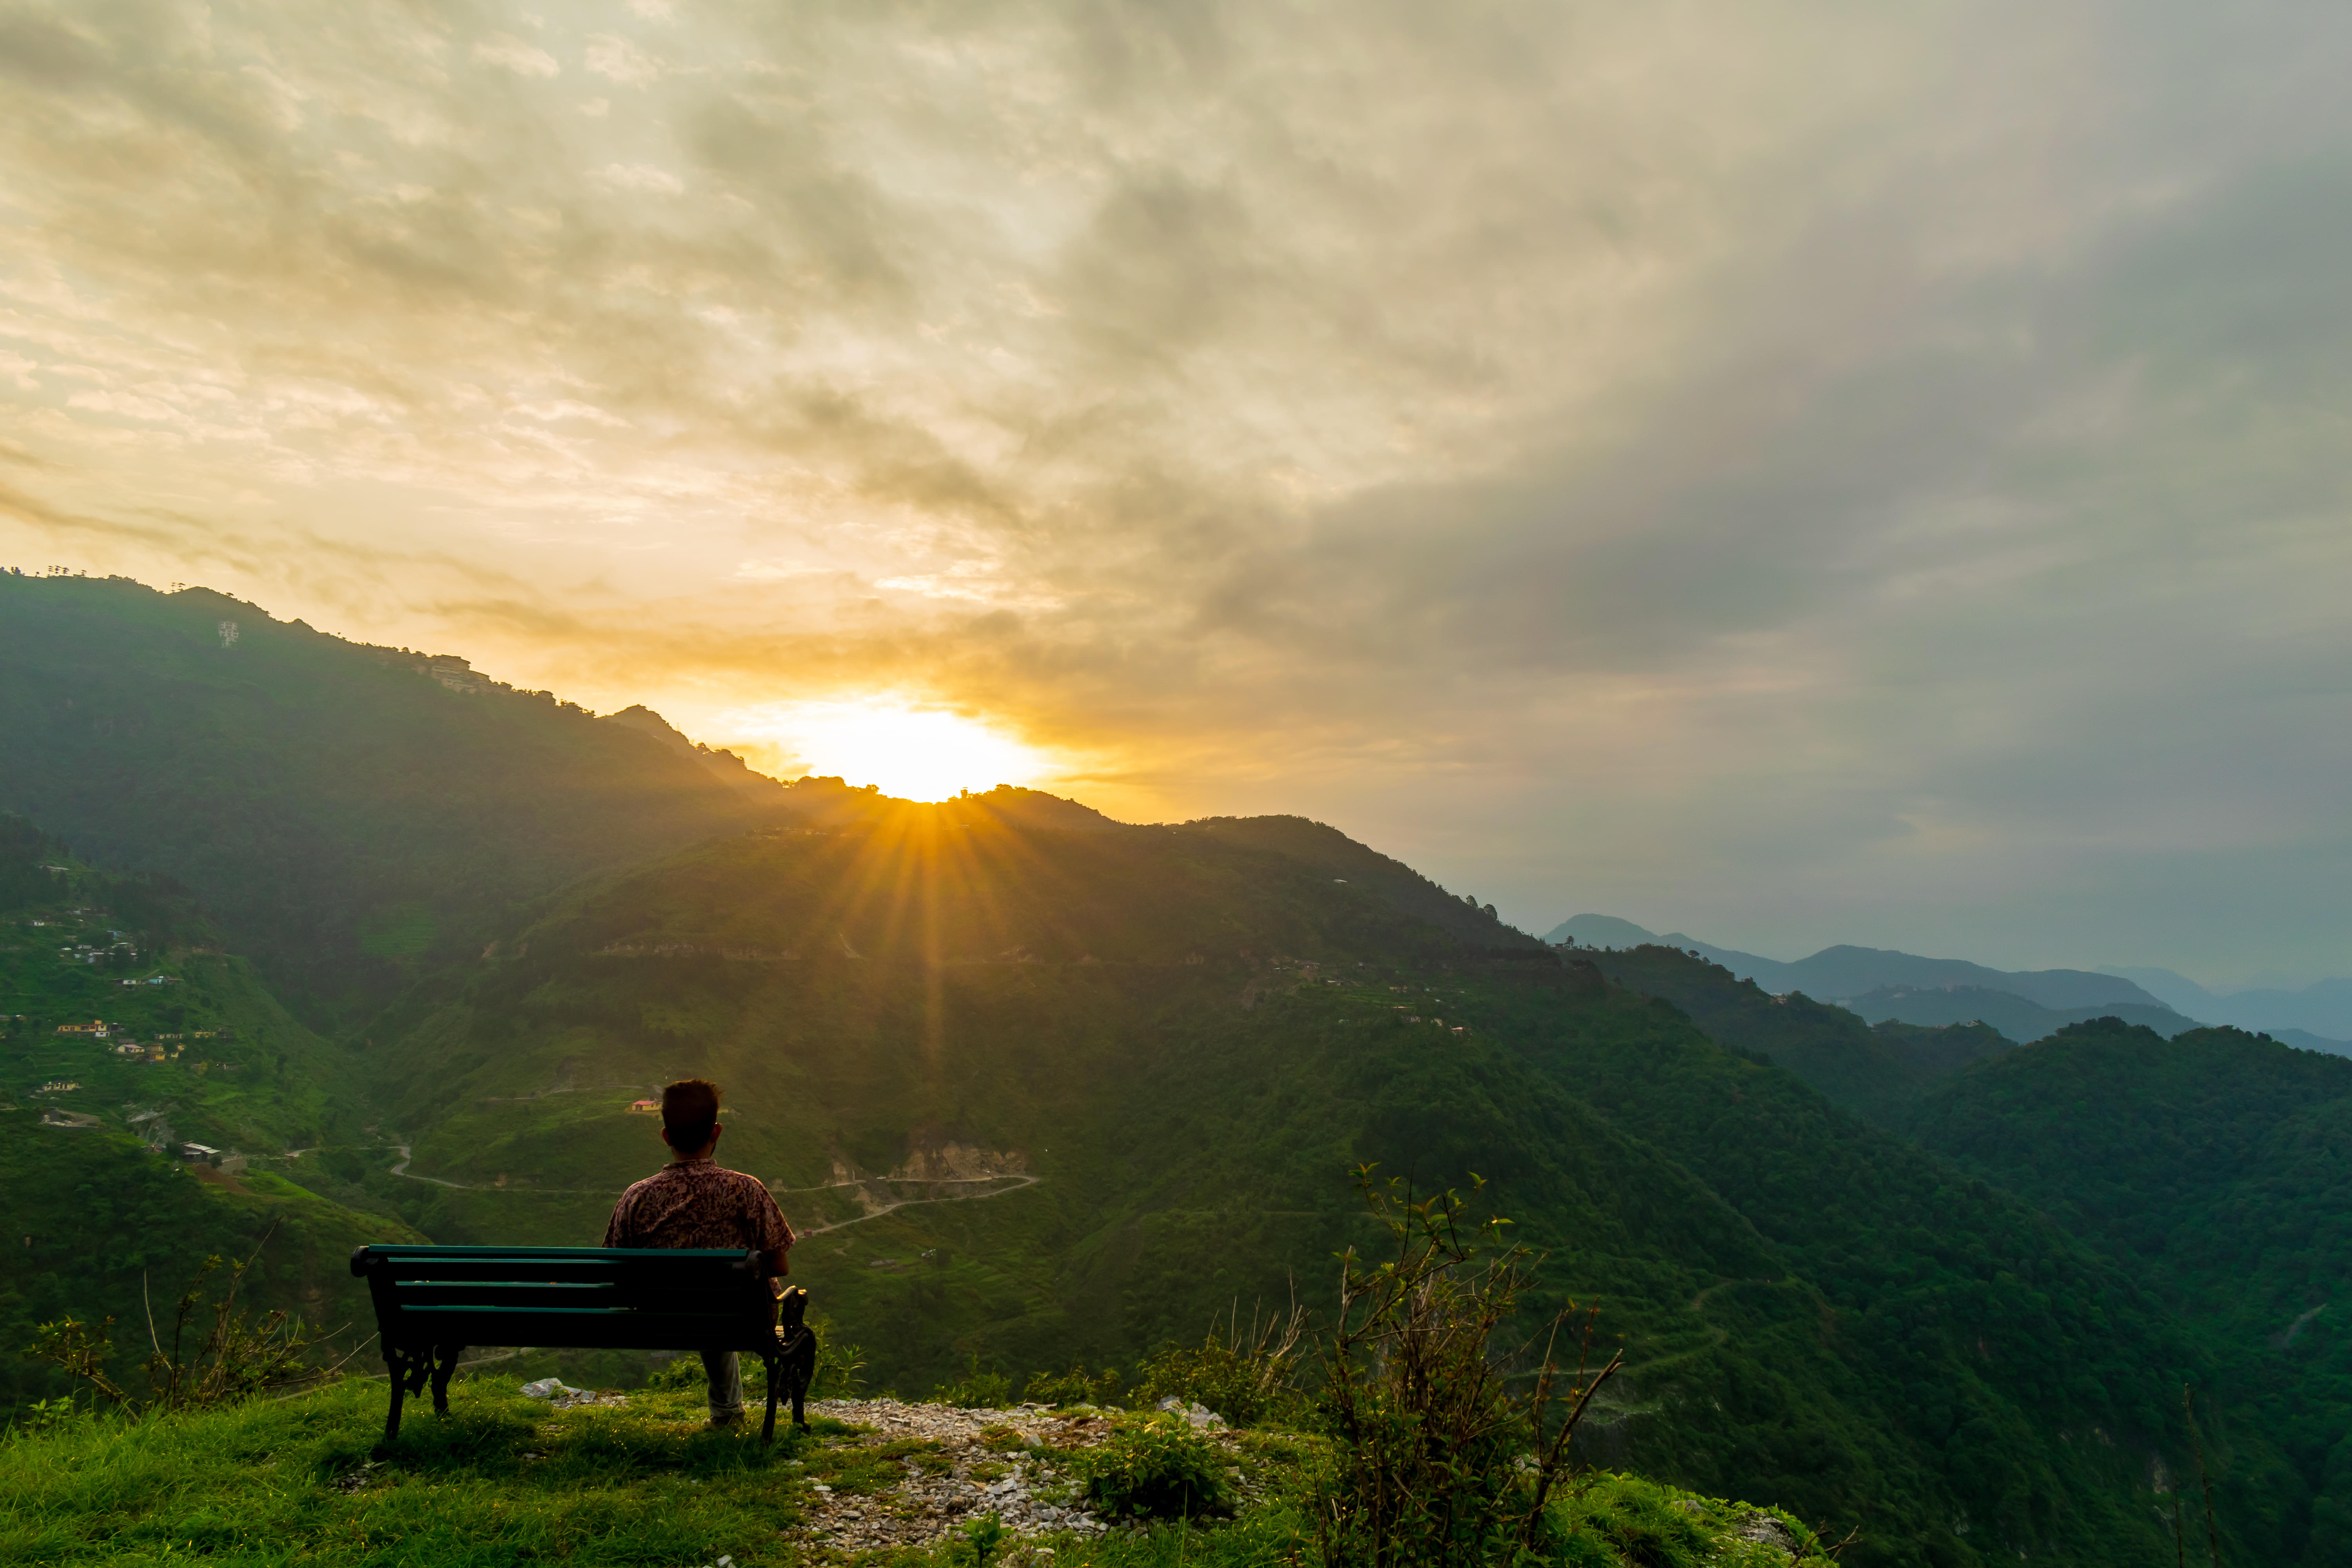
689, 1111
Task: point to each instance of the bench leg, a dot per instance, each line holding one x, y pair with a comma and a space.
445, 1361
396, 1367
775, 1378
804, 1372
796, 1346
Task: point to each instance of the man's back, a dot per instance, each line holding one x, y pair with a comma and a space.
693, 1203
698, 1203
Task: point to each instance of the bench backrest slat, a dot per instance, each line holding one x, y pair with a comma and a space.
414, 1297
522, 1271
614, 1298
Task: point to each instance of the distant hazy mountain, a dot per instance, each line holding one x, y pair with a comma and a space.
1842, 972
1600, 931
2323, 1009
2017, 1018
1835, 973
2023, 1006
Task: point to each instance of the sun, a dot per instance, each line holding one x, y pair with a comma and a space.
903, 749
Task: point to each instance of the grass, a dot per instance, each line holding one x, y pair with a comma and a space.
504, 1479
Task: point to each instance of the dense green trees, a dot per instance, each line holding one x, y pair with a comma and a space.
2212, 1171
2216, 1168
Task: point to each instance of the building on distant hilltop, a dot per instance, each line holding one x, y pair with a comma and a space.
645, 1106
95, 1026
198, 1153
453, 672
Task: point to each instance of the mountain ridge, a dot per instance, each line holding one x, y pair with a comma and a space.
1903, 987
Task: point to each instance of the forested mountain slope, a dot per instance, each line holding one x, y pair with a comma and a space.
1034, 1095
350, 814
103, 1213
2216, 1166
2214, 1169
1827, 1047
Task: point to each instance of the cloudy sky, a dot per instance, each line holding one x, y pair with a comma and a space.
1789, 473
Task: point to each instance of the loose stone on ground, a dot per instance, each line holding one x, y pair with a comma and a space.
936, 1500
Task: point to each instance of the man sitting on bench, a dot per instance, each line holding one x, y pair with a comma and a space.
691, 1202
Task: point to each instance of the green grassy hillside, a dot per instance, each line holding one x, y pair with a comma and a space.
347, 819
103, 1213
1041, 1096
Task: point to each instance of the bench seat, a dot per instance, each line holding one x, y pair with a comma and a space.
433, 1301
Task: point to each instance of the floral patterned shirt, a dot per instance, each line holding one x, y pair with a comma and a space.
694, 1203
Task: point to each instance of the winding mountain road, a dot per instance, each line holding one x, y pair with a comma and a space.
1019, 1179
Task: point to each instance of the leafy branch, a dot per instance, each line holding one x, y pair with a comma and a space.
237, 1356
1441, 1461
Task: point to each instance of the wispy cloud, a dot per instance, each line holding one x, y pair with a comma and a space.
1807, 475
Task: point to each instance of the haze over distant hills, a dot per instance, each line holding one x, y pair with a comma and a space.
1882, 984
2323, 1007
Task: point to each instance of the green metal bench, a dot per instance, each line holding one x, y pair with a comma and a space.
431, 1303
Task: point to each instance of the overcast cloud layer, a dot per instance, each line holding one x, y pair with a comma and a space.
1791, 473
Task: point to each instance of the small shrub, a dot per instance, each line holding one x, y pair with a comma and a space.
1246, 1375
1076, 1387
50, 1414
1001, 1438
236, 1357
682, 1376
840, 1365
976, 1390
1439, 1459
1160, 1468
985, 1534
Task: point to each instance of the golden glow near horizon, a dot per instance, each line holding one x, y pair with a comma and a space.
1832, 474
905, 750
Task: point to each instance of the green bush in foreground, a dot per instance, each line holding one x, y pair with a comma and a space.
975, 1390
1246, 1376
1076, 1387
236, 1358
1158, 1467
1438, 1458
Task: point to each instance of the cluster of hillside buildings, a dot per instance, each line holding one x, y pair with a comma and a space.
163, 1047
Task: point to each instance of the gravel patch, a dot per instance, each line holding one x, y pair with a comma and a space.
966, 1480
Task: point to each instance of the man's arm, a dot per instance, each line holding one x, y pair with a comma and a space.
775, 1237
